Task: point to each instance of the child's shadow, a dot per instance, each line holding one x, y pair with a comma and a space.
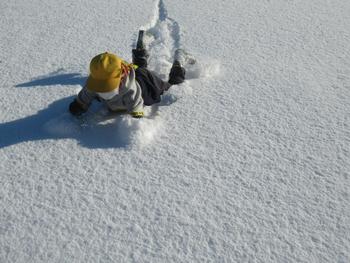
58, 77
55, 122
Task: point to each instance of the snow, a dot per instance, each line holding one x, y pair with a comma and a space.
248, 160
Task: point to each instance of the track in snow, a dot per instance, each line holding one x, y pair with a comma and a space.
162, 38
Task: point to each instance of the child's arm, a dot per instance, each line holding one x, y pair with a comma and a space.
82, 102
132, 99
134, 102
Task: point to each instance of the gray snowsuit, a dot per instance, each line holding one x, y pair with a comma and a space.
140, 87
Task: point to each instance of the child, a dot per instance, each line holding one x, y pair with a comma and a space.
124, 87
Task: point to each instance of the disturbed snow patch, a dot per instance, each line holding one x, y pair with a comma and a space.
101, 129
163, 38
139, 132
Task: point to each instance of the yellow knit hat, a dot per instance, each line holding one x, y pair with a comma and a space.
105, 73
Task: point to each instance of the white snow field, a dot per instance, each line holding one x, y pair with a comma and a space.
247, 161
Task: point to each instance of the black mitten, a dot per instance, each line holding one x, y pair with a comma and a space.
76, 108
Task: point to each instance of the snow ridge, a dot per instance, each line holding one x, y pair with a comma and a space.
162, 38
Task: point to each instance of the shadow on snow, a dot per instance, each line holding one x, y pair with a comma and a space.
55, 122
95, 130
56, 78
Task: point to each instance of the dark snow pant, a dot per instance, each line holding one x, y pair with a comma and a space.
152, 86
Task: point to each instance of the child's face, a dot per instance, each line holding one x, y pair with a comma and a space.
108, 95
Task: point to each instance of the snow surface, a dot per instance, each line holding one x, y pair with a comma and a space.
247, 161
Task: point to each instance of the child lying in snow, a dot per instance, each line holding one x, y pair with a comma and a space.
124, 87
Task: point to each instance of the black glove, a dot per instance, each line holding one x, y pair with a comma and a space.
76, 109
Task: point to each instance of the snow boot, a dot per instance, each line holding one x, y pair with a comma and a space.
177, 73
140, 55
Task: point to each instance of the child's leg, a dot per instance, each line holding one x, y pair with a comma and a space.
152, 86
140, 54
140, 57
177, 73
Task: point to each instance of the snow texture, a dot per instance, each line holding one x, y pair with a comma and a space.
247, 161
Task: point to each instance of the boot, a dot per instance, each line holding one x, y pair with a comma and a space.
140, 55
177, 73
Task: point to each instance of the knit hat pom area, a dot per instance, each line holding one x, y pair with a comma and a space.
105, 73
